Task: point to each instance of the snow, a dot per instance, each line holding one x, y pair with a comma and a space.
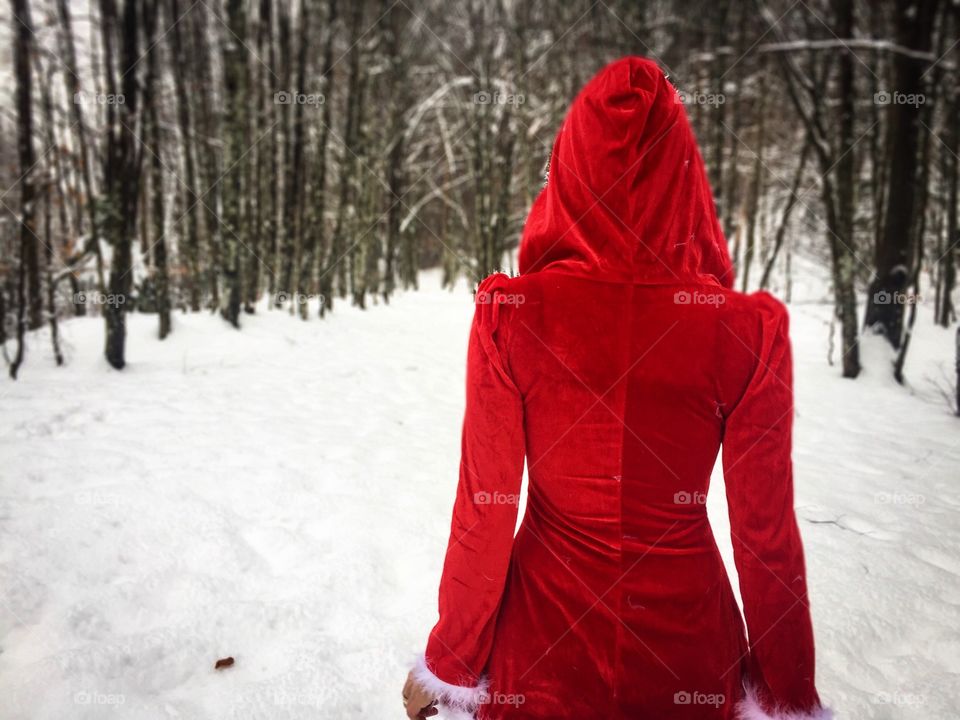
281, 495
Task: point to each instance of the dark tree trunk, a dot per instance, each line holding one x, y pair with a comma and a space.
364, 254
286, 173
395, 174
914, 21
315, 232
843, 241
151, 13
207, 130
293, 209
259, 226
122, 174
274, 114
333, 266
22, 51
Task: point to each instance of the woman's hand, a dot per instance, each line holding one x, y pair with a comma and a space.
417, 702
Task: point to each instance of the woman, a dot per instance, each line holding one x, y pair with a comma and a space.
617, 363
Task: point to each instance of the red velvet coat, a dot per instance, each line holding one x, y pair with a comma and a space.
618, 363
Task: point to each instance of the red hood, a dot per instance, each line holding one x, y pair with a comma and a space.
627, 197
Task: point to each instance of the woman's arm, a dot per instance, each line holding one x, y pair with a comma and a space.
767, 548
484, 515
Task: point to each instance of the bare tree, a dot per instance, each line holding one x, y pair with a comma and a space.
895, 260
151, 14
235, 112
23, 49
51, 193
121, 167
190, 248
950, 169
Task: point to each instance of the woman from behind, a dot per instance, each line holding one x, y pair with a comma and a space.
617, 365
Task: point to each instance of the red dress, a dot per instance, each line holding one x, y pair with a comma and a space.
617, 364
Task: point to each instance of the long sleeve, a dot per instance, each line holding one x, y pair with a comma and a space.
758, 475
484, 516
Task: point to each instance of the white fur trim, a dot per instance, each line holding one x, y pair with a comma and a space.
456, 697
749, 709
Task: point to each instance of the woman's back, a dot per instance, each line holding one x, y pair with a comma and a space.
617, 364
627, 389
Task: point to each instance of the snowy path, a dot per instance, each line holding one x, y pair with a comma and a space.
282, 495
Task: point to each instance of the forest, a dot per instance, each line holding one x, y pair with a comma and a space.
241, 243
249, 156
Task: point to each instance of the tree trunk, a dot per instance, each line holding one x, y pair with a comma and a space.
951, 147
333, 268
151, 13
293, 250
315, 231
756, 185
914, 20
258, 224
207, 130
273, 117
48, 266
843, 242
52, 182
191, 236
22, 52
122, 174
395, 175
235, 109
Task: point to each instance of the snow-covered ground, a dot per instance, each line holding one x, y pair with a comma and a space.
281, 495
